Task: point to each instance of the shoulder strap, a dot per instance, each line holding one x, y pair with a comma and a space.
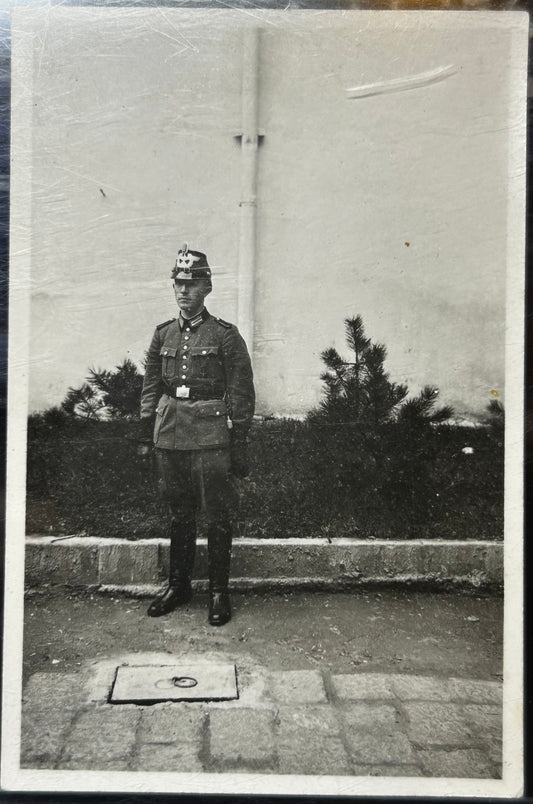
165, 323
222, 322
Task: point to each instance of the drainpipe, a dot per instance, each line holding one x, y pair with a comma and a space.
248, 203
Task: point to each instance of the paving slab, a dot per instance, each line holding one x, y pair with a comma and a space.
485, 719
421, 688
475, 692
368, 715
168, 724
87, 765
101, 735
325, 758
387, 770
49, 704
321, 720
443, 724
242, 737
462, 763
359, 686
44, 690
298, 686
309, 740
494, 751
380, 748
177, 758
43, 735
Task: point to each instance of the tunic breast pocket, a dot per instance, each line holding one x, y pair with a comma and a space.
206, 362
168, 358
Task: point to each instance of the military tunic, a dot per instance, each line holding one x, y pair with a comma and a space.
199, 382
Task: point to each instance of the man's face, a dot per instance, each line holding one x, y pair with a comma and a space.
190, 294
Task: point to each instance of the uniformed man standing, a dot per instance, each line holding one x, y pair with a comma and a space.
198, 396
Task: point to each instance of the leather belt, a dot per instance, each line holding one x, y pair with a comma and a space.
191, 394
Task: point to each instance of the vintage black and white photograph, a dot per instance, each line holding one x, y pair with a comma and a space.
264, 499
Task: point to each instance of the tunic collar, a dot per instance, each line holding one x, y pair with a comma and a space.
194, 322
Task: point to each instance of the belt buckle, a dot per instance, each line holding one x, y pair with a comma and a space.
183, 392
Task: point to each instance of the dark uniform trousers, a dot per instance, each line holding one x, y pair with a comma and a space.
199, 384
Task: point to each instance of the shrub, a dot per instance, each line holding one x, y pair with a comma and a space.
106, 394
496, 416
360, 390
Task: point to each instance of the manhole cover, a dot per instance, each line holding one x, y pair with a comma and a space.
175, 682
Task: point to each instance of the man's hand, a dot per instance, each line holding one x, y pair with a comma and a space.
141, 433
144, 449
146, 430
240, 466
145, 437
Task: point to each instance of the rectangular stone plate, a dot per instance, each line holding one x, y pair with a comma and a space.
175, 682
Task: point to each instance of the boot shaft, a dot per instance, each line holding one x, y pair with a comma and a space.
219, 539
182, 550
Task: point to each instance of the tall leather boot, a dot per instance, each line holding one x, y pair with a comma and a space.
219, 558
182, 552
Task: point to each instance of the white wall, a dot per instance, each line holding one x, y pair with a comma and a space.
348, 183
144, 104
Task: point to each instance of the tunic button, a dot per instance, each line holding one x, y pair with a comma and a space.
165, 352
186, 338
204, 352
187, 329
184, 367
183, 376
185, 347
218, 413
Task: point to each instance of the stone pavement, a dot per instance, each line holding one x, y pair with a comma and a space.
284, 722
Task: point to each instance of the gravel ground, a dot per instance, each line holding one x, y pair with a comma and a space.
387, 631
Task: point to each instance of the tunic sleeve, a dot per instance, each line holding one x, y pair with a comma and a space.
240, 391
152, 385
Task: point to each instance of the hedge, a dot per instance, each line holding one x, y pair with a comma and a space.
306, 480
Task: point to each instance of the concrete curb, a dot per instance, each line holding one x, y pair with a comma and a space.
267, 563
